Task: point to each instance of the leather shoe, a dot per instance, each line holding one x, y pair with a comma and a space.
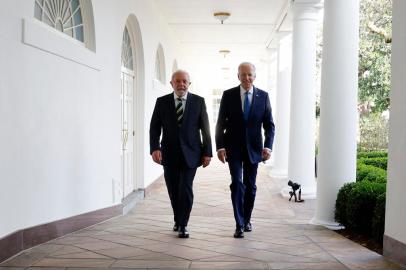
239, 233
248, 227
183, 233
175, 227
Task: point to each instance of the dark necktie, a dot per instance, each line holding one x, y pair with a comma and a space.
246, 107
179, 111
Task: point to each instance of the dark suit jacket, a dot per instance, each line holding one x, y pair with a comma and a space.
192, 138
233, 134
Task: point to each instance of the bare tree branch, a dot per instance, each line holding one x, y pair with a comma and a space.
377, 30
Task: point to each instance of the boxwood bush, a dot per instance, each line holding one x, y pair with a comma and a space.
380, 162
378, 220
340, 213
372, 154
370, 172
361, 204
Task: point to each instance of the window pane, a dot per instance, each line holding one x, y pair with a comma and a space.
77, 18
47, 20
79, 33
69, 32
74, 4
37, 11
52, 12
126, 51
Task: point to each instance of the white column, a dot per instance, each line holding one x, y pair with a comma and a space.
303, 113
338, 106
394, 243
282, 113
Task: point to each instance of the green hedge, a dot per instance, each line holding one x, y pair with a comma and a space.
361, 204
372, 154
380, 162
340, 213
378, 220
370, 172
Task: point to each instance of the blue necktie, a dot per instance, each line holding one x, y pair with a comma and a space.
246, 107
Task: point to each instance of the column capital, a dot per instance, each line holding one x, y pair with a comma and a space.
308, 2
305, 9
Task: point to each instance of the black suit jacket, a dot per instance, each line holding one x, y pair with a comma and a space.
192, 138
233, 134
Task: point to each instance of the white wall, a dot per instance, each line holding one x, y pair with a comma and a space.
60, 120
396, 186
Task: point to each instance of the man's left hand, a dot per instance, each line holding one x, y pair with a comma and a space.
206, 161
266, 154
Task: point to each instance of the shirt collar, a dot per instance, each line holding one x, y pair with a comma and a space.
242, 90
183, 98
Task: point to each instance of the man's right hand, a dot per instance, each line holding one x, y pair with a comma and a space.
221, 154
157, 156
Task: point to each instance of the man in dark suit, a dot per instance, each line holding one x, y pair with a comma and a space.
244, 110
186, 144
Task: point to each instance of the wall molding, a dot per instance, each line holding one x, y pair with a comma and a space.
21, 240
18, 241
394, 250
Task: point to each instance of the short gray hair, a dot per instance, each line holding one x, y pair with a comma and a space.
180, 71
247, 64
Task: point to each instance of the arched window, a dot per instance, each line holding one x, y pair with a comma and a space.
160, 65
72, 17
174, 66
127, 51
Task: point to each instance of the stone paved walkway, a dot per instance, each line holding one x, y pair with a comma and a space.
281, 236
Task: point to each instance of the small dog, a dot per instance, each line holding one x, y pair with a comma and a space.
295, 186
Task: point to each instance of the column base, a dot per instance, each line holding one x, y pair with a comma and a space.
332, 225
308, 193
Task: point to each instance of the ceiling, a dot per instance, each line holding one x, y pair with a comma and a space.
248, 31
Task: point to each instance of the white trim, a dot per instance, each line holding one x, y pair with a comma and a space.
41, 36
134, 32
88, 24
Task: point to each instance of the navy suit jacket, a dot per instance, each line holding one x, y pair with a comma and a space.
192, 138
236, 135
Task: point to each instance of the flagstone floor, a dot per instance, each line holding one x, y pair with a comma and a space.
281, 238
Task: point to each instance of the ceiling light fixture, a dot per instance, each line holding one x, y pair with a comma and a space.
221, 16
224, 52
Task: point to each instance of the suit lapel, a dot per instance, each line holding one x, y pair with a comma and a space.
172, 109
237, 100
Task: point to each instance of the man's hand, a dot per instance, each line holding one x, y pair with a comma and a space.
266, 154
221, 154
157, 156
206, 161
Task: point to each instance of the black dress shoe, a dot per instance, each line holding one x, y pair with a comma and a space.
183, 233
175, 227
239, 233
248, 227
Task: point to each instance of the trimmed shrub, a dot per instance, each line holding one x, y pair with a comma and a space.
362, 170
380, 162
376, 175
372, 154
361, 204
378, 220
340, 213
370, 173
